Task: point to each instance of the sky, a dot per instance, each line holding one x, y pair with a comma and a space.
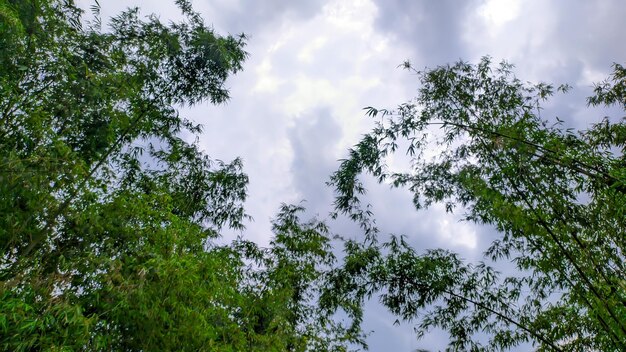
315, 64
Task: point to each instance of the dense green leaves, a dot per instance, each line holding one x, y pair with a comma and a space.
108, 216
555, 195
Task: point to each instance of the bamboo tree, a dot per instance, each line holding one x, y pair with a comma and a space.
506, 166
109, 217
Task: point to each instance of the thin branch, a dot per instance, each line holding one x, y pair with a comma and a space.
562, 248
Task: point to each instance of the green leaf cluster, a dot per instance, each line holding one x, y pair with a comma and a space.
109, 217
556, 196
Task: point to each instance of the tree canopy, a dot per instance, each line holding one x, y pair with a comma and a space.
108, 216
556, 195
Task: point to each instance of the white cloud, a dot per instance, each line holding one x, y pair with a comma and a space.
351, 15
267, 81
498, 12
457, 233
307, 53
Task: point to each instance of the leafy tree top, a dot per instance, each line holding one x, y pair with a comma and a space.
557, 196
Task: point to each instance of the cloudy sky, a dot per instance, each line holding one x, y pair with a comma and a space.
314, 64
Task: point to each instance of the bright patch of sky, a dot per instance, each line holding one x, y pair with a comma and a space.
499, 12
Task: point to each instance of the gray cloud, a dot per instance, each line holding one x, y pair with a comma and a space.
252, 17
590, 31
432, 29
313, 139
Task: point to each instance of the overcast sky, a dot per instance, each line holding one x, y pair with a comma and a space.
297, 106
